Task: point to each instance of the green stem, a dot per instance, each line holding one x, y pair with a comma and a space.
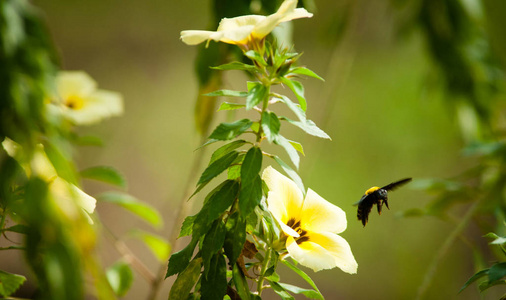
265, 265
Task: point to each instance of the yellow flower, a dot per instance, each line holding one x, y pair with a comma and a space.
240, 30
79, 100
60, 190
311, 225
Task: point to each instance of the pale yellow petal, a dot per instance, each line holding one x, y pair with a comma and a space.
66, 193
323, 251
41, 165
284, 198
96, 107
319, 215
238, 36
194, 37
227, 24
286, 12
298, 13
74, 83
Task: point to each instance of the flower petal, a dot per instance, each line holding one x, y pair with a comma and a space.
100, 105
323, 251
74, 83
286, 12
319, 215
285, 198
194, 37
298, 13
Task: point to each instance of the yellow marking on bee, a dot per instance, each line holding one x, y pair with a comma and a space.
373, 189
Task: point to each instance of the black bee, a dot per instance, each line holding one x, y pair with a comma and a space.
376, 195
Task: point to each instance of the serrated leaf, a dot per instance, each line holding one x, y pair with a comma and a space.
214, 286
235, 65
278, 289
256, 95
217, 167
230, 106
301, 274
213, 242
18, 228
9, 283
228, 131
220, 152
297, 146
234, 172
270, 125
186, 280
120, 278
186, 228
497, 272
473, 278
105, 174
309, 127
236, 237
250, 196
226, 93
298, 89
306, 72
311, 294
141, 209
253, 55
292, 153
179, 261
251, 165
290, 172
219, 202
240, 283
157, 244
295, 108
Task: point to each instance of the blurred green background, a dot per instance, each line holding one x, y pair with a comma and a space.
386, 118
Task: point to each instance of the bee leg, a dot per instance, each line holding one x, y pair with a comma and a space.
386, 203
380, 204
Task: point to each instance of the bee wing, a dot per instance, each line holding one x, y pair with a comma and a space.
394, 185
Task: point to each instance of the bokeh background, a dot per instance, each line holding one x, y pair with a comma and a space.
381, 105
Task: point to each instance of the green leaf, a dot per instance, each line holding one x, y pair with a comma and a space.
297, 146
18, 228
251, 165
295, 108
157, 244
278, 289
236, 237
220, 152
230, 106
256, 95
104, 174
227, 93
228, 131
290, 172
186, 280
253, 55
309, 127
179, 260
292, 153
217, 167
301, 274
311, 294
214, 285
306, 72
250, 196
473, 278
9, 283
212, 243
186, 228
497, 272
240, 283
270, 125
219, 202
234, 172
298, 89
141, 209
235, 65
62, 165
120, 277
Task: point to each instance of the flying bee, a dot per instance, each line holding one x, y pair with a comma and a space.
376, 195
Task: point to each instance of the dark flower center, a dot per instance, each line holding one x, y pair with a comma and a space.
295, 225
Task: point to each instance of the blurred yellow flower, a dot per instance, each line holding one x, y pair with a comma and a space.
241, 30
62, 191
79, 100
310, 225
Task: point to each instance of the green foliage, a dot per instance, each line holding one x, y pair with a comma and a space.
105, 174
120, 277
9, 283
142, 210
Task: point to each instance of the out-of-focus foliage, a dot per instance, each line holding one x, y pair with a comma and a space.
457, 36
40, 197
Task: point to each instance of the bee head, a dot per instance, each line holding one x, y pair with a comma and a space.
383, 193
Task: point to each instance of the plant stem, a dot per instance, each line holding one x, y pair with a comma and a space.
265, 265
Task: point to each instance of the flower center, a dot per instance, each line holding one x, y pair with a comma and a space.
74, 102
295, 225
